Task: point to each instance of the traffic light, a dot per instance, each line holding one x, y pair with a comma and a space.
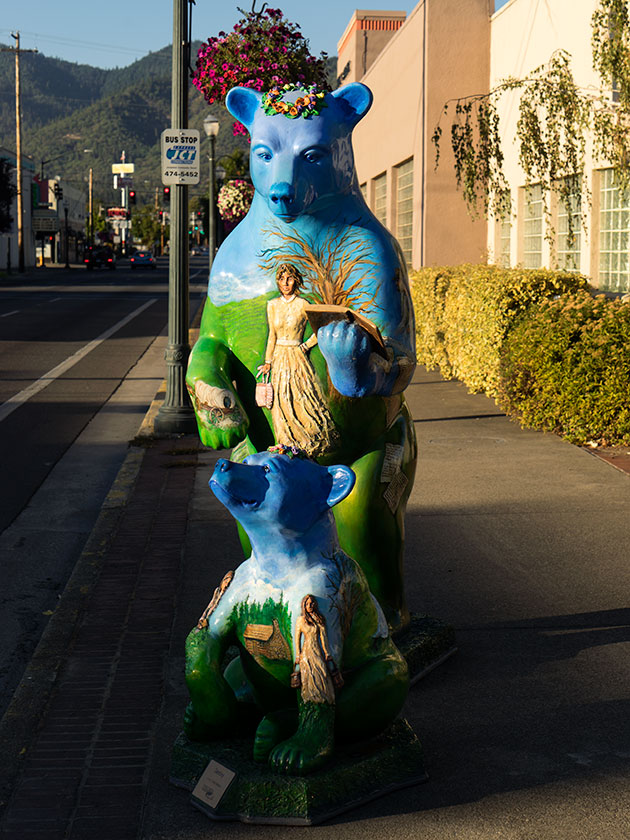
132, 196
166, 194
58, 191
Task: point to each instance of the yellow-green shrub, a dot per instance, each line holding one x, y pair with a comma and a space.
566, 369
464, 312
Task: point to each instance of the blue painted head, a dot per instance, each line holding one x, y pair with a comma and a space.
270, 492
298, 164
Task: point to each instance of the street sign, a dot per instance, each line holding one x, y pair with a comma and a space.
45, 221
116, 213
123, 168
180, 156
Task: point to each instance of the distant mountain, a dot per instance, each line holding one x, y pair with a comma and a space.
76, 117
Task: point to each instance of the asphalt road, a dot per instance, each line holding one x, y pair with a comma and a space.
81, 358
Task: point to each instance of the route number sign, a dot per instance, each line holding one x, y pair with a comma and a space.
180, 156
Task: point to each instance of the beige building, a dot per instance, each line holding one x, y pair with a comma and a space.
413, 67
446, 49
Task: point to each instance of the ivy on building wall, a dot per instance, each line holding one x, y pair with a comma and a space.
555, 120
611, 58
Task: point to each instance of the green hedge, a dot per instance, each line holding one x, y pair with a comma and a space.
566, 369
464, 312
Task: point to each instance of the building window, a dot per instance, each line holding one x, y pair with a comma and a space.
363, 188
533, 227
505, 242
614, 241
404, 207
569, 246
380, 198
503, 236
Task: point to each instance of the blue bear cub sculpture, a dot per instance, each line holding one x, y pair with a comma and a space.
316, 662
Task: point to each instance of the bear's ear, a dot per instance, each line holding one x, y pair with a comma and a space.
342, 483
356, 100
242, 103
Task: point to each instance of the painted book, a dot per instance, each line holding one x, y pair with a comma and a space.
320, 314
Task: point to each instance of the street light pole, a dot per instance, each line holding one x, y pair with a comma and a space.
176, 415
65, 212
91, 208
211, 127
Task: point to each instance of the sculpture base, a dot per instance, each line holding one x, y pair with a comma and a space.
356, 774
425, 644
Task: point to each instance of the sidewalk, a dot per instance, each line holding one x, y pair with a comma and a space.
517, 538
32, 272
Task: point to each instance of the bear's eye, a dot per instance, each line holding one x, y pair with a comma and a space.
314, 155
266, 468
263, 154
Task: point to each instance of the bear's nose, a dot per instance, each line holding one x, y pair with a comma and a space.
223, 465
282, 192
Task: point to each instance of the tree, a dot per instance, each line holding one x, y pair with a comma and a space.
145, 225
556, 118
236, 164
8, 191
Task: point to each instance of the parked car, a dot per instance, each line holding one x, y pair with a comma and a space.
143, 259
99, 258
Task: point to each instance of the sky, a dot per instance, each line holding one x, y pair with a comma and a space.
117, 32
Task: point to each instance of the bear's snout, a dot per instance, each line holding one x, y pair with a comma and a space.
282, 195
240, 487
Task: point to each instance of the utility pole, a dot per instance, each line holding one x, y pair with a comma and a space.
18, 145
176, 415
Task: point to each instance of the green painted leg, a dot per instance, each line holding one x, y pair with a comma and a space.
311, 746
272, 730
368, 530
372, 696
213, 710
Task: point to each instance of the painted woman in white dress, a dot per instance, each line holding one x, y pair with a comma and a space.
318, 673
299, 412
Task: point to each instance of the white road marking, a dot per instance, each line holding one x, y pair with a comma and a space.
35, 387
6, 314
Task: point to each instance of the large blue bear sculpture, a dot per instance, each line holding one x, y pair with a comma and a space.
308, 211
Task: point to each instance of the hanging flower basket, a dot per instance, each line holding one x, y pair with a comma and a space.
234, 200
263, 50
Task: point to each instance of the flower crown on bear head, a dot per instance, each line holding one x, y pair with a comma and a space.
289, 451
308, 105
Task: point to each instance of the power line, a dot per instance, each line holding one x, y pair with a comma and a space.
72, 42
